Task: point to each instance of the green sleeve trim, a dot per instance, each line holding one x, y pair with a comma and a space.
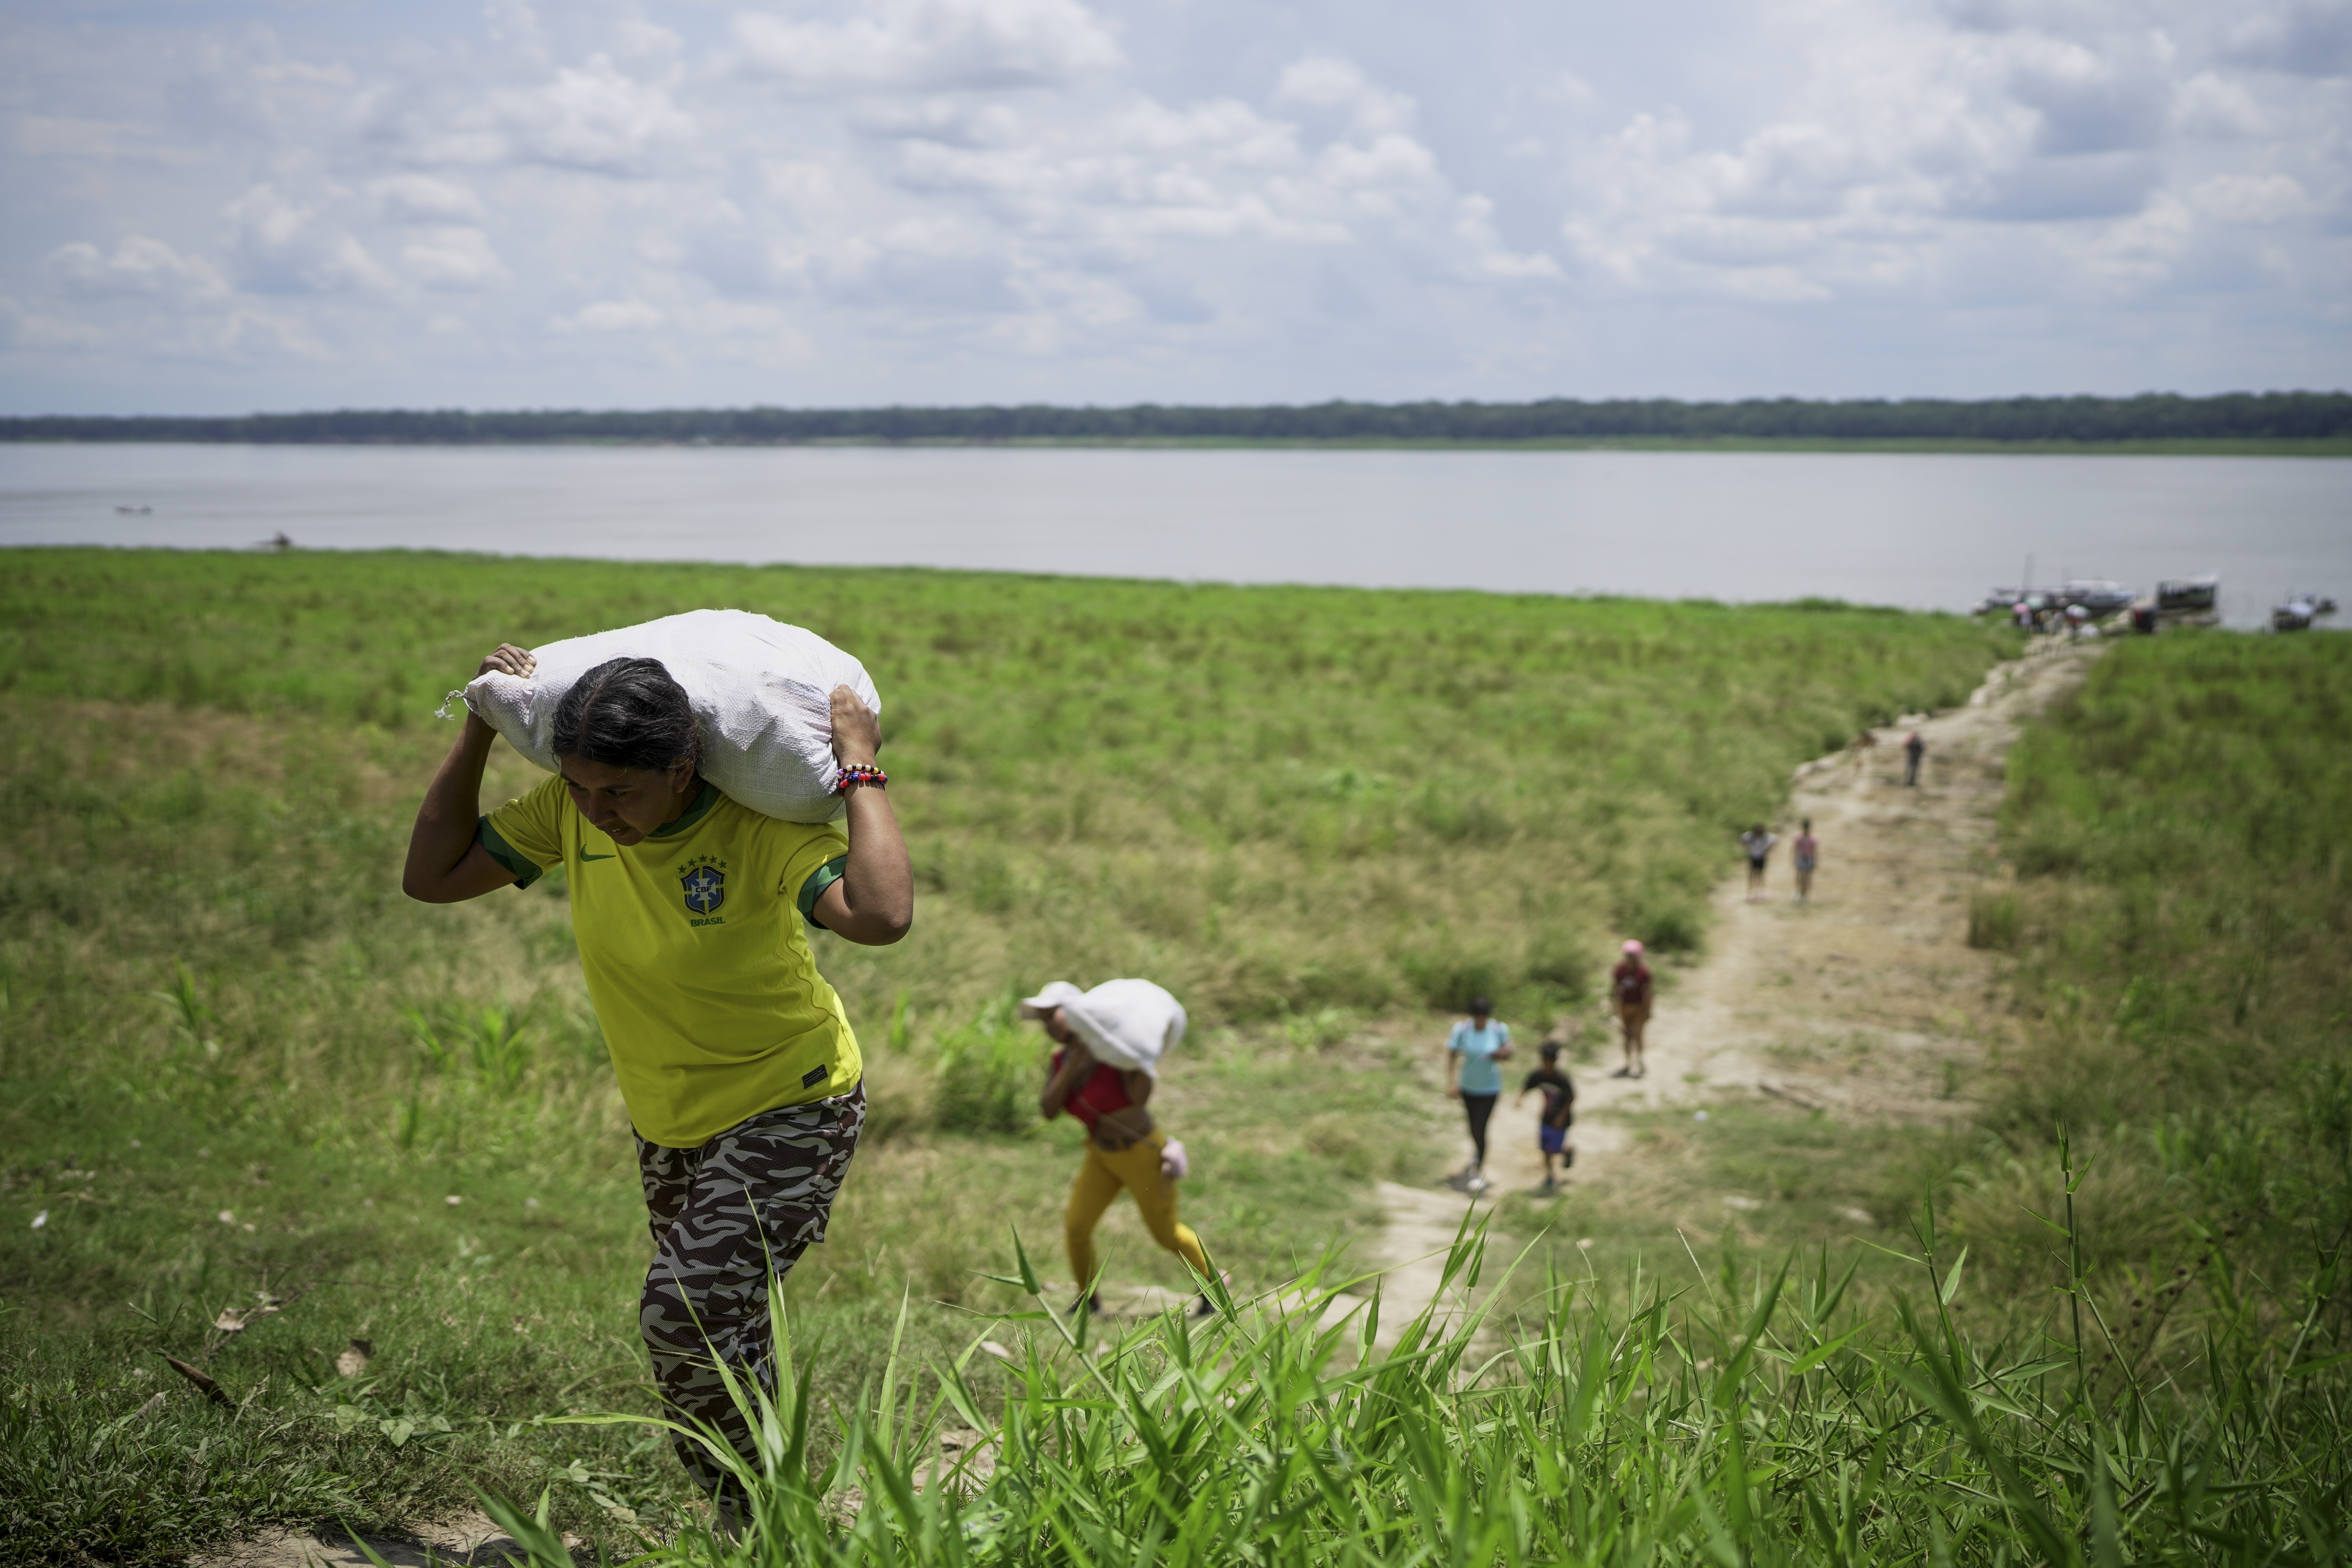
823, 877
504, 854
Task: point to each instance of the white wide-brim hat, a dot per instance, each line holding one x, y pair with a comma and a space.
1060, 993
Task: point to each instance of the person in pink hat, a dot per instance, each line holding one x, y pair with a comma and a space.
1631, 985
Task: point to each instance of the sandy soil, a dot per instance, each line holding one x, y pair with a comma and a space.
468, 1539
1867, 1002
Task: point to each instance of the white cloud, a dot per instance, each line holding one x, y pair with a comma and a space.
421, 198
281, 246
2250, 199
139, 267
1894, 137
455, 259
2141, 250
928, 46
1327, 81
595, 117
2211, 106
2109, 99
921, 199
2302, 38
953, 121
161, 302
613, 316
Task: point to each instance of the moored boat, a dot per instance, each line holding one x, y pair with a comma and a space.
2189, 596
2299, 611
2097, 596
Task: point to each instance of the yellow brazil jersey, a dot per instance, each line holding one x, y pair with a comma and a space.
695, 945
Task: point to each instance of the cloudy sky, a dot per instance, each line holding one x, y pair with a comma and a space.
213, 207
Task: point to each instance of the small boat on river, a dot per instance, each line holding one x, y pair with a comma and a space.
2184, 596
2299, 611
2098, 597
2179, 602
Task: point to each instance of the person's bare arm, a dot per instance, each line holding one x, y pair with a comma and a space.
1063, 1082
873, 903
447, 865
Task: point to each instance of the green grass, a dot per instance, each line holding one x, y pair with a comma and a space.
214, 1005
1313, 813
2182, 921
2118, 1334
1746, 1415
1274, 799
1319, 814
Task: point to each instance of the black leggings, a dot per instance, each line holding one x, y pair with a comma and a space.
1479, 1108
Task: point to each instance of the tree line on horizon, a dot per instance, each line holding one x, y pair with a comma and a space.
2153, 417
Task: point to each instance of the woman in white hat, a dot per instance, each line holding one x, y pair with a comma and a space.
1111, 1039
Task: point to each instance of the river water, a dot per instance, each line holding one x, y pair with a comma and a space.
1916, 529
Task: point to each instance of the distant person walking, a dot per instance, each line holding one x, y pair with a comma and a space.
1631, 987
1807, 851
1111, 1039
1475, 1051
1759, 844
1558, 1111
1914, 748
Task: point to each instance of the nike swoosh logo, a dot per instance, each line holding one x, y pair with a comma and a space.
595, 856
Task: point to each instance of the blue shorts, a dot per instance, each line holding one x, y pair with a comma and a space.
1552, 1138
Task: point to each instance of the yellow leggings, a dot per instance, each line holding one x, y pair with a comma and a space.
1136, 1169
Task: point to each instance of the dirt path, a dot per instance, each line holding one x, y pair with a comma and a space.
1860, 1003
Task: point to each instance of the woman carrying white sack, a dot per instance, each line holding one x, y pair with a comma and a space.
741, 1075
1111, 1039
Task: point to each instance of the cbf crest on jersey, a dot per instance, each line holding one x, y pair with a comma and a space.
705, 887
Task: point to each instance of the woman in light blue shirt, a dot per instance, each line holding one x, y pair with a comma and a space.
1474, 1053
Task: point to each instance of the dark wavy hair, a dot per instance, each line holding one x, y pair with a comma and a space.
627, 713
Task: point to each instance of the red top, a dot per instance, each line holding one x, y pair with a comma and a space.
1632, 978
1104, 1089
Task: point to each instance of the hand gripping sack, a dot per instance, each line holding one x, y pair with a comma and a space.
762, 693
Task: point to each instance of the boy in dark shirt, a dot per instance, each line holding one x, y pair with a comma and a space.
1560, 1110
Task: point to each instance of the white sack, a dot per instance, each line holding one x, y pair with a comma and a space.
762, 693
1130, 1024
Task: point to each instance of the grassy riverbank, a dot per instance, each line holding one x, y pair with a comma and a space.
2181, 916
241, 1082
235, 1064
2121, 1339
1308, 811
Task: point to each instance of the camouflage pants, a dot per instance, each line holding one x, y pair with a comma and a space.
724, 1216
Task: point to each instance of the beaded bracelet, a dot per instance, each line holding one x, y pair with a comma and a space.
861, 774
